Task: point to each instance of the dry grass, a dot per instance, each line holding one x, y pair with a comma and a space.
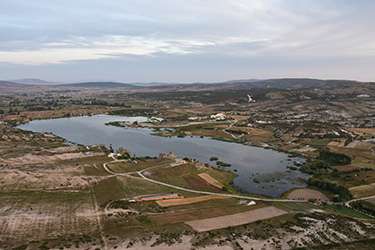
30, 159
235, 219
363, 190
360, 152
362, 131
36, 216
129, 166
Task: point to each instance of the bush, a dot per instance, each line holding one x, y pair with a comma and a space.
222, 164
334, 158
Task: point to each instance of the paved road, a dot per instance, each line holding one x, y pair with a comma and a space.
140, 173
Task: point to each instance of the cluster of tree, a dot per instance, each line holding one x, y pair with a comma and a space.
316, 167
342, 193
334, 159
324, 162
134, 112
38, 108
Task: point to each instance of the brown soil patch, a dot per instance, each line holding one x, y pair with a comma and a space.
196, 182
210, 180
187, 201
46, 180
235, 219
39, 159
307, 194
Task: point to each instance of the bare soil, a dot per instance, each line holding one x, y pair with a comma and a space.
235, 219
307, 194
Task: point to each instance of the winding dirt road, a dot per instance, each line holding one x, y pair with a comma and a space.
142, 176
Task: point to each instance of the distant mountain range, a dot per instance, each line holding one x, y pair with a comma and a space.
32, 81
281, 83
97, 85
12, 84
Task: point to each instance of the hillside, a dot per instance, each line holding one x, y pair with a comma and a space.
100, 85
7, 86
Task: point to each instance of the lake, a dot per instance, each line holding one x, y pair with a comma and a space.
260, 171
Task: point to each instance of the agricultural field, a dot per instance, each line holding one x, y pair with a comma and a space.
187, 201
307, 194
189, 175
137, 165
248, 217
48, 219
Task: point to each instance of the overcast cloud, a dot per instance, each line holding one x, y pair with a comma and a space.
186, 40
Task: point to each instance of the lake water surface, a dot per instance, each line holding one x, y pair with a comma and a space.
259, 170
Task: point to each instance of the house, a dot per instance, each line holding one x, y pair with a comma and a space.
251, 203
218, 117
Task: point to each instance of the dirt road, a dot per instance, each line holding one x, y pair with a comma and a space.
140, 173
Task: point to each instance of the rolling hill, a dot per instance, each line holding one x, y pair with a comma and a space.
96, 85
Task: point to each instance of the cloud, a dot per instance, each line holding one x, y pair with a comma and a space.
48, 32
110, 46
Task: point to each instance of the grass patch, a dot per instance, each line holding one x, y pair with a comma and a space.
345, 211
131, 166
108, 190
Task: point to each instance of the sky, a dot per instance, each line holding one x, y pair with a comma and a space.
186, 40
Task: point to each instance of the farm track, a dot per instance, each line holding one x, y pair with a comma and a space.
99, 220
348, 204
142, 176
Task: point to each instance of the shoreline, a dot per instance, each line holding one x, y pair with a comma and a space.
231, 169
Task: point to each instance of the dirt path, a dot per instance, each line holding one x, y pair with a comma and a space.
229, 133
99, 220
348, 204
140, 173
359, 199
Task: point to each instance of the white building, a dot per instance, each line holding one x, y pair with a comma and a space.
219, 117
